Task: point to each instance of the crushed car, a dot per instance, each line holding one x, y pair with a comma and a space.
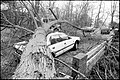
58, 42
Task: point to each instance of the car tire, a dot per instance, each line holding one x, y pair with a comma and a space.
53, 54
75, 46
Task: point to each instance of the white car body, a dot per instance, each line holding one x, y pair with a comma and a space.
58, 42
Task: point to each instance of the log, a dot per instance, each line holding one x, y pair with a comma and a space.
93, 51
36, 61
95, 54
92, 61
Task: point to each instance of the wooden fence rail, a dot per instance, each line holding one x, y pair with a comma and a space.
84, 62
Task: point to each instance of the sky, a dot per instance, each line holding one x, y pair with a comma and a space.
105, 4
95, 4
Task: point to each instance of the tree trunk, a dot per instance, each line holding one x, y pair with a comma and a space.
36, 60
113, 9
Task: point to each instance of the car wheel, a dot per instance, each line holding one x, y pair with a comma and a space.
75, 46
53, 54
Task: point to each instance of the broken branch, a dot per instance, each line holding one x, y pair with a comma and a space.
114, 48
16, 26
98, 74
31, 13
70, 67
13, 25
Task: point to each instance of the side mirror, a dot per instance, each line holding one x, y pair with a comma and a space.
69, 37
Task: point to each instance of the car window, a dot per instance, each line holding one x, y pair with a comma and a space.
55, 39
64, 37
58, 38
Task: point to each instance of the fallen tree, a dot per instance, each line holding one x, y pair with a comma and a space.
36, 60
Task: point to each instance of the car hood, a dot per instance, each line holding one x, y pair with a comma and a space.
75, 37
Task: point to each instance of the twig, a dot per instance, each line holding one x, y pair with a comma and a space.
111, 73
7, 47
110, 68
62, 21
113, 55
104, 20
3, 29
111, 60
97, 69
31, 14
114, 48
105, 70
70, 67
83, 8
34, 10
98, 74
106, 73
6, 18
17, 26
17, 54
9, 42
26, 35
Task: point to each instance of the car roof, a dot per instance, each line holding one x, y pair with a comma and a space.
56, 33
53, 34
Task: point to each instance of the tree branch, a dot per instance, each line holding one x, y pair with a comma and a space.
70, 67
6, 18
98, 74
114, 48
113, 56
32, 15
110, 72
3, 29
47, 26
16, 26
105, 69
34, 10
26, 35
104, 20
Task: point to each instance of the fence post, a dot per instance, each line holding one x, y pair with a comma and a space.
79, 63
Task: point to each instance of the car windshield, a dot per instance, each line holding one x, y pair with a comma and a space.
64, 36
58, 38
54, 36
54, 39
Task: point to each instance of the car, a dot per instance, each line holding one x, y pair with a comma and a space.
105, 31
88, 29
58, 42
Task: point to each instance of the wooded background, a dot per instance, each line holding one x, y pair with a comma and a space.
17, 14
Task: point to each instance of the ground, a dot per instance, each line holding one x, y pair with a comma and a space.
10, 61
86, 44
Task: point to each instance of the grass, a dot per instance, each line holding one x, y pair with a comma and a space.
9, 60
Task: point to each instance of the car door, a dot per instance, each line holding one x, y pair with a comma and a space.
57, 45
67, 42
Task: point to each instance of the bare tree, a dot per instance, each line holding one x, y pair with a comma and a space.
113, 9
97, 17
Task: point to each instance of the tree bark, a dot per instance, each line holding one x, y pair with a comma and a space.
113, 9
36, 60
